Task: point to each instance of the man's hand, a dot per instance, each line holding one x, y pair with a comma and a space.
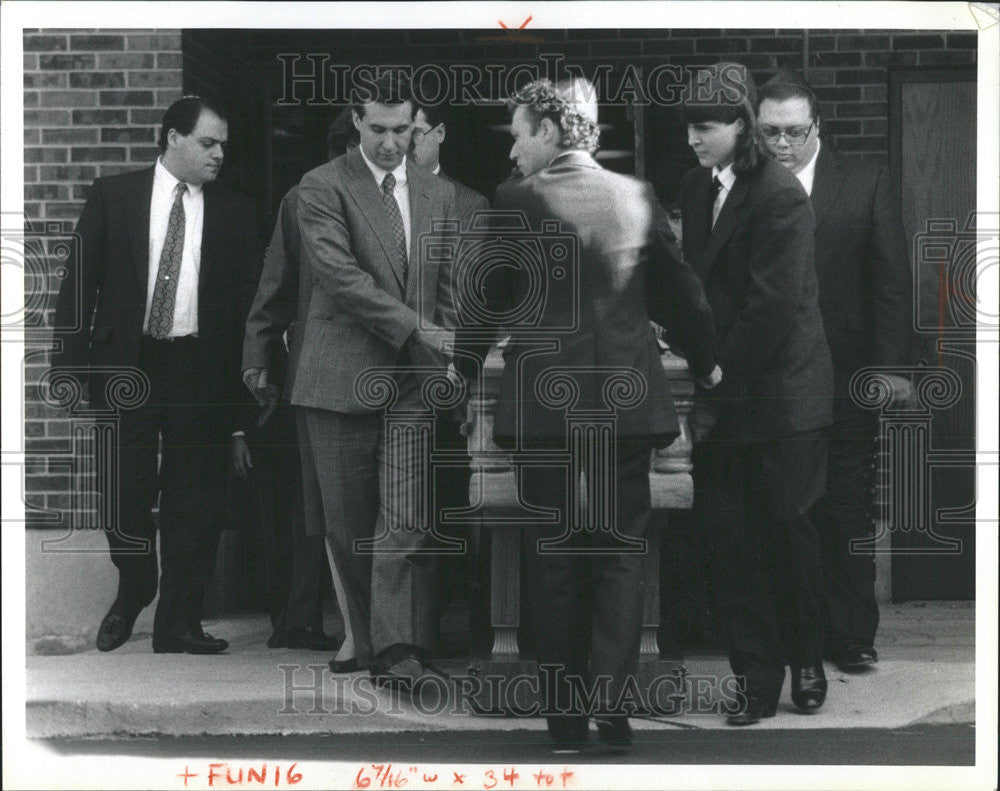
239, 455
700, 421
710, 381
256, 382
901, 392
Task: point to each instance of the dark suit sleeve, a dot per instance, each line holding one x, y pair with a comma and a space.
78, 294
676, 298
326, 241
781, 254
246, 262
275, 303
891, 280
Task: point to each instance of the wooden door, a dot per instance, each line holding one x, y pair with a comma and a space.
933, 157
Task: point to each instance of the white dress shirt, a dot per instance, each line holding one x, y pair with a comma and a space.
727, 178
808, 173
160, 204
401, 192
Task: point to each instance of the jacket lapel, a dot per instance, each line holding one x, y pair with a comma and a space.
724, 224
211, 232
366, 192
138, 226
826, 183
420, 216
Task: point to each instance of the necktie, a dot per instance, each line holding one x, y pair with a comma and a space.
714, 192
161, 311
388, 185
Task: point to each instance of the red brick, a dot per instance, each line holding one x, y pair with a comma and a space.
168, 97
154, 79
837, 128
839, 93
835, 59
128, 134
168, 41
97, 42
721, 45
860, 110
32, 209
114, 170
130, 60
67, 172
61, 211
861, 144
31, 137
46, 483
68, 62
875, 126
917, 42
848, 43
46, 118
45, 154
45, 79
776, 44
143, 153
69, 98
875, 93
963, 40
97, 79
169, 60
80, 191
890, 58
71, 135
861, 77
126, 98
140, 115
31, 99
948, 57
30, 61
30, 174
822, 43
100, 117
667, 46
98, 154
45, 44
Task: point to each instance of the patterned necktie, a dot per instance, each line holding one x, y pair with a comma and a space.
714, 192
388, 185
161, 311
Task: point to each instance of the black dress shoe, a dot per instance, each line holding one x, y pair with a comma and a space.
855, 658
568, 732
278, 639
351, 665
398, 667
808, 687
115, 629
614, 732
312, 640
755, 710
189, 643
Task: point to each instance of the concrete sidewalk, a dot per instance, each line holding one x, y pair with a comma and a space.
926, 674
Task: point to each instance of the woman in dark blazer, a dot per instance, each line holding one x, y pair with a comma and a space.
761, 433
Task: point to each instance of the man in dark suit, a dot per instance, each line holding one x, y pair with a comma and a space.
293, 526
760, 455
865, 295
465, 574
584, 586
377, 303
169, 263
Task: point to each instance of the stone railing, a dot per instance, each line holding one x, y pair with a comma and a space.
493, 495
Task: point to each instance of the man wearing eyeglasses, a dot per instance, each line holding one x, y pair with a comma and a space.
865, 298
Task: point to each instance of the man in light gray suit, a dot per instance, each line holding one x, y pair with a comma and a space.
377, 304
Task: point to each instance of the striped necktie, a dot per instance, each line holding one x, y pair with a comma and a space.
389, 199
161, 311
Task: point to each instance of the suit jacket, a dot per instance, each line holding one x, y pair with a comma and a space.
281, 302
757, 267
467, 200
604, 302
364, 308
112, 284
865, 281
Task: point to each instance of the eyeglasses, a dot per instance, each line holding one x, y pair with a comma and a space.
418, 134
795, 135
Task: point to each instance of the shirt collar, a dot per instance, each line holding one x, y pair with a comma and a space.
399, 173
726, 176
168, 181
810, 168
437, 170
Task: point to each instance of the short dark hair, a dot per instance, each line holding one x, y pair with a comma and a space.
341, 134
434, 113
183, 116
780, 93
392, 87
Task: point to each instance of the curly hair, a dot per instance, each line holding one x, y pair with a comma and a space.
541, 100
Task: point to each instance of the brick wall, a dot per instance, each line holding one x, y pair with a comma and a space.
93, 101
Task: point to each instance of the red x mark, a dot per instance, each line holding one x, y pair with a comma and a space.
522, 27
